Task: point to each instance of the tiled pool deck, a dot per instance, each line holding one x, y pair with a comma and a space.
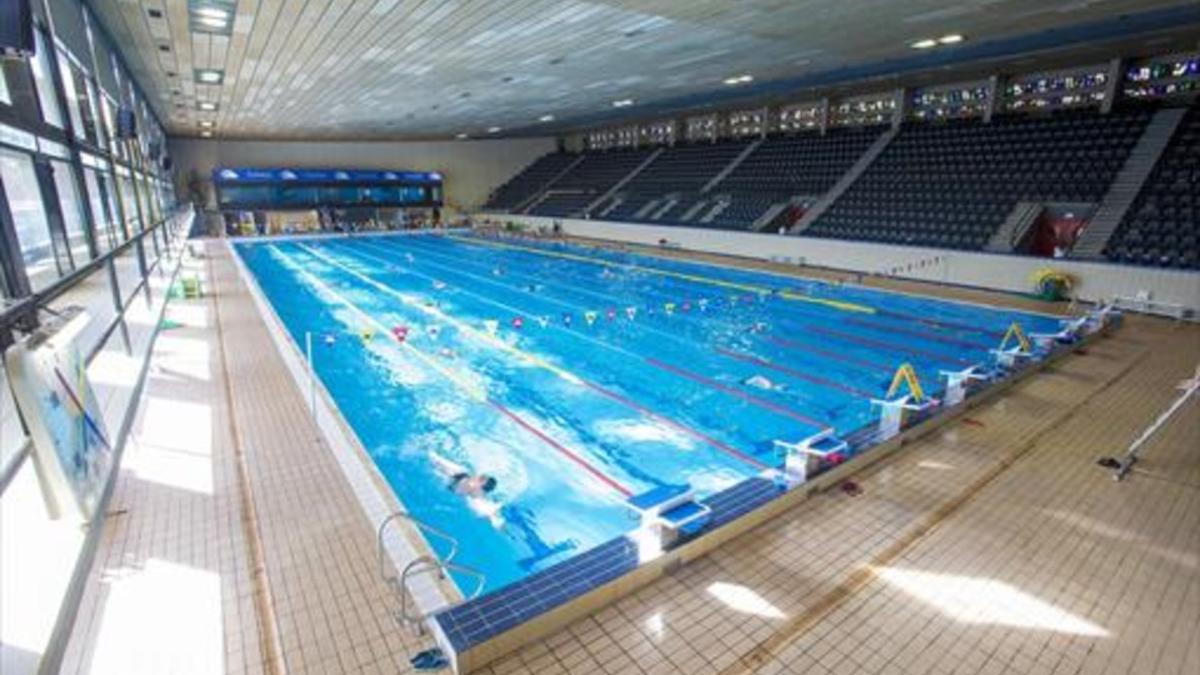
994, 545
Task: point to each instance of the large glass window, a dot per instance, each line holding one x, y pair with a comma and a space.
103, 210
4, 96
33, 230
131, 210
39, 65
74, 220
68, 80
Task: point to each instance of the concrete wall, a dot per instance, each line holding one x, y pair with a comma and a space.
1096, 281
472, 169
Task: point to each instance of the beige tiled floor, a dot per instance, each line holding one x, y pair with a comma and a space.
993, 546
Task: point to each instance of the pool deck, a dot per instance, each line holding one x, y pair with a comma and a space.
994, 545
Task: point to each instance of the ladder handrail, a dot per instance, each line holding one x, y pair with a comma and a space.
422, 564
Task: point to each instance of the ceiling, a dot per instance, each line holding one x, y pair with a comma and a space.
398, 69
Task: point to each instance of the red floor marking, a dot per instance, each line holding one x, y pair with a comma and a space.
762, 403
558, 446
797, 374
800, 346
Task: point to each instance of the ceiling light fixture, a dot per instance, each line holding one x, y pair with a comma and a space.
206, 134
461, 137
546, 118
209, 76
207, 124
206, 105
212, 21
924, 44
493, 130
623, 103
739, 79
951, 39
212, 13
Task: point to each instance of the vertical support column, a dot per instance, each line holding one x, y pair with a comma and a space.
823, 115
900, 97
1112, 87
995, 89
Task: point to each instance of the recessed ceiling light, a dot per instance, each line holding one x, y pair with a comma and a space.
212, 12
924, 44
207, 124
206, 134
461, 136
623, 103
546, 118
739, 79
212, 21
206, 105
951, 39
493, 130
209, 76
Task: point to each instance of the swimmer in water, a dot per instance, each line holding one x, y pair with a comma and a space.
477, 488
763, 383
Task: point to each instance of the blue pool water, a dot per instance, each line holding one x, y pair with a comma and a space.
577, 377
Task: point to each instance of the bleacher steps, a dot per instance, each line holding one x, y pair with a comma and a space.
666, 206
647, 208
693, 210
769, 215
733, 164
839, 188
624, 181
1015, 227
617, 201
538, 194
1128, 183
718, 207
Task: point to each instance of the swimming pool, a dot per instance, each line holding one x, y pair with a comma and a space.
578, 377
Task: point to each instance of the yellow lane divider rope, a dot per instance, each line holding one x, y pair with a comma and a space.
470, 387
442, 316
787, 295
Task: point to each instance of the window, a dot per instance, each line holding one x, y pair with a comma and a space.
33, 230
39, 65
72, 212
4, 97
103, 209
131, 210
68, 80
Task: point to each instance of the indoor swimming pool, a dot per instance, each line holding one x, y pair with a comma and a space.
516, 393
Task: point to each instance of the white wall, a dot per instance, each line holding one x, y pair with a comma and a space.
1096, 281
472, 168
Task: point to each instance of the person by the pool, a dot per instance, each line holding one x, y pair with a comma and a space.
472, 485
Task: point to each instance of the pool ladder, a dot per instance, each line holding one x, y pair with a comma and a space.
422, 564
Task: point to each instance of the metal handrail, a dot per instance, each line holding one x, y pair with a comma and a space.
423, 564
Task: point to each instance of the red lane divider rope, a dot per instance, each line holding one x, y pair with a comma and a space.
734, 452
601, 476
966, 344
880, 344
854, 391
760, 402
829, 354
940, 323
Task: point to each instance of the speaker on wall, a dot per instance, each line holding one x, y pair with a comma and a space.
16, 29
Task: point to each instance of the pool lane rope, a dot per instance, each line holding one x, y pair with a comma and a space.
696, 278
591, 317
533, 359
473, 389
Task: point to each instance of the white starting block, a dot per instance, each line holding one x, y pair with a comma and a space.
1011, 357
803, 458
668, 511
957, 381
891, 416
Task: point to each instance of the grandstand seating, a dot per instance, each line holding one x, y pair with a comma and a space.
530, 181
1163, 225
953, 184
681, 170
587, 181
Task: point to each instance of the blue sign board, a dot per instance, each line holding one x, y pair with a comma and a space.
282, 175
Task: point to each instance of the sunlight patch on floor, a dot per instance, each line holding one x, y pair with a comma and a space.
977, 600
742, 599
